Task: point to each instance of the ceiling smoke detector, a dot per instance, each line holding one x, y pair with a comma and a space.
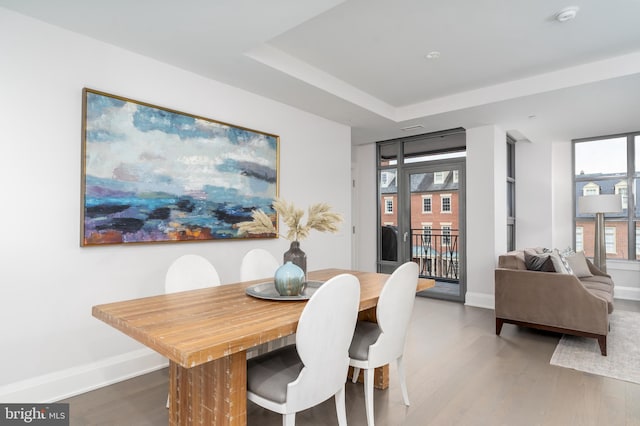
567, 14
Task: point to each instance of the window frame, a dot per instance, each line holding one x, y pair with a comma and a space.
444, 197
430, 198
427, 231
388, 201
630, 215
610, 239
579, 247
445, 233
511, 193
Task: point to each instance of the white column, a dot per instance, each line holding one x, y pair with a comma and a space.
486, 231
364, 212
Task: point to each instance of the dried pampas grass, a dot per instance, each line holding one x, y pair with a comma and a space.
319, 217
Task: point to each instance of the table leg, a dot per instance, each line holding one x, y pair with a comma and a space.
381, 374
214, 393
380, 377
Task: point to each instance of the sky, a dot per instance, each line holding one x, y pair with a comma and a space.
602, 156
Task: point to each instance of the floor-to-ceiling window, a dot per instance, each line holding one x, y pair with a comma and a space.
609, 165
421, 208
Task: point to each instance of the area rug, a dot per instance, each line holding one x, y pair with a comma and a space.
623, 350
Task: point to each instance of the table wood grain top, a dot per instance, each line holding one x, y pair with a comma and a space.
198, 326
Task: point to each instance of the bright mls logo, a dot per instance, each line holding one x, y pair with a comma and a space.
34, 414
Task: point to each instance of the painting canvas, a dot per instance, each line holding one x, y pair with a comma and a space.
152, 174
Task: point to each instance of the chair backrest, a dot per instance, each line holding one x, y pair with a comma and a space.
190, 272
258, 263
323, 336
394, 312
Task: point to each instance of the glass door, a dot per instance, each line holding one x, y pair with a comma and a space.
431, 225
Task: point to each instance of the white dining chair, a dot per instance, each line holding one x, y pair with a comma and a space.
377, 344
190, 272
258, 263
303, 375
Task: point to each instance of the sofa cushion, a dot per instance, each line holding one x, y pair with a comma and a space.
598, 279
594, 285
538, 262
578, 263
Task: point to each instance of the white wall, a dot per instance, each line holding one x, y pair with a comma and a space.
486, 211
366, 217
534, 189
51, 345
562, 195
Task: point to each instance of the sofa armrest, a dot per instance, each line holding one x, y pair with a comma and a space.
549, 298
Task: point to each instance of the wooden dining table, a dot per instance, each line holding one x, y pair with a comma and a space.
206, 333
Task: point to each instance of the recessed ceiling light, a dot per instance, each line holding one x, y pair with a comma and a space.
567, 14
433, 55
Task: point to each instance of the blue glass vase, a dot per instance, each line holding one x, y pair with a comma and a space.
289, 280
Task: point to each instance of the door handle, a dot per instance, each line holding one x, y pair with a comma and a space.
404, 238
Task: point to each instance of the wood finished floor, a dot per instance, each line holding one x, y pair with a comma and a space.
458, 373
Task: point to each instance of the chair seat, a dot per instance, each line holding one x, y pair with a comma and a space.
268, 375
365, 335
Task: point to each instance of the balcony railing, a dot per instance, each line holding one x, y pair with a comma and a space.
436, 252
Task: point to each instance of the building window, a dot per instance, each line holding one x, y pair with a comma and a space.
445, 203
455, 176
590, 189
610, 239
608, 165
438, 177
426, 232
387, 178
446, 234
388, 205
579, 238
622, 189
426, 204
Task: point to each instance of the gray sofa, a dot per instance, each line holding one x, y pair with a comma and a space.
561, 302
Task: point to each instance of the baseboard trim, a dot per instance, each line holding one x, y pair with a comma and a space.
627, 293
480, 300
76, 380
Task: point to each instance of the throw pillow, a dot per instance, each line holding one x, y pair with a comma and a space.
559, 263
538, 262
566, 252
578, 264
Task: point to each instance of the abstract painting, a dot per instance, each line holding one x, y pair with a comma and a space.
152, 174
